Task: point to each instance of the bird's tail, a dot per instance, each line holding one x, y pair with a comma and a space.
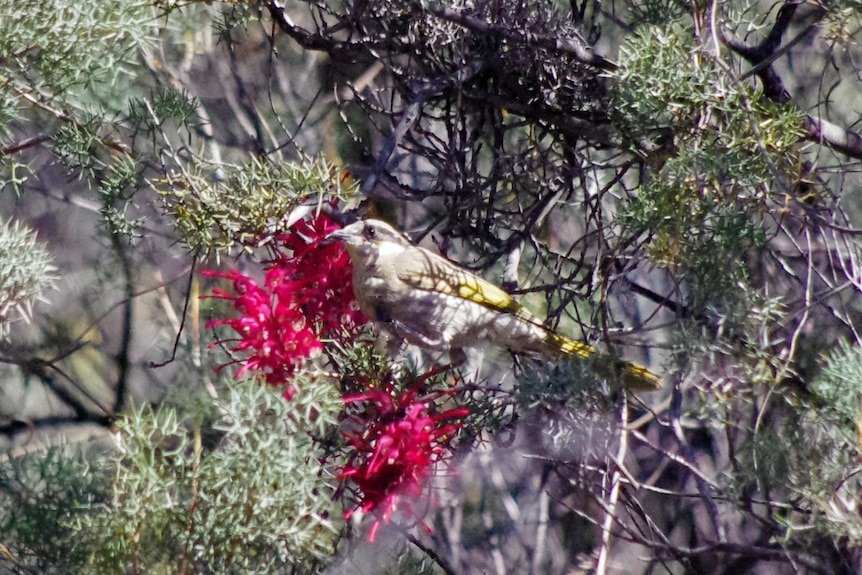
633, 376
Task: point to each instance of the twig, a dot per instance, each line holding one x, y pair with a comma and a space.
182, 321
23, 144
123, 357
703, 485
762, 56
573, 46
614, 492
436, 557
412, 113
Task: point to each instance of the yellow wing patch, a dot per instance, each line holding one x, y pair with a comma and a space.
570, 346
444, 277
433, 273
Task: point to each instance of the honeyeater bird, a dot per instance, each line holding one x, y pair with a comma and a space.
438, 305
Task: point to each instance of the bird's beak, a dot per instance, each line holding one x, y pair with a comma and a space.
336, 236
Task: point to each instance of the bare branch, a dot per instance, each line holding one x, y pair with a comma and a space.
574, 46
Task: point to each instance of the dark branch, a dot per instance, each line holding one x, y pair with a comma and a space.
123, 355
23, 144
761, 58
839, 139
773, 86
17, 426
413, 112
573, 46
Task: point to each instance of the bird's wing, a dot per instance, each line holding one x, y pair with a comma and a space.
427, 271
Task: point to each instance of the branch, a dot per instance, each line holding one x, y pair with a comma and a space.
108, 141
574, 46
17, 426
773, 86
318, 41
703, 483
772, 553
825, 132
761, 58
593, 130
123, 357
23, 144
40, 368
616, 477
436, 557
411, 114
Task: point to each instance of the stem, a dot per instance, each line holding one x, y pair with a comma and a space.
614, 492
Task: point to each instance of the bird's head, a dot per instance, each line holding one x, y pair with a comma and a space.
367, 238
368, 232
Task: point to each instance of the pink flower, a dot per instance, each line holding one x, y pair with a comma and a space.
307, 295
318, 276
275, 337
395, 443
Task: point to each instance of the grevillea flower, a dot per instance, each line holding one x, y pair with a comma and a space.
318, 276
396, 441
307, 295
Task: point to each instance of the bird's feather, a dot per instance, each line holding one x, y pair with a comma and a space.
431, 272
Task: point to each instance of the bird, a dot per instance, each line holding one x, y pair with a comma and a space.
438, 305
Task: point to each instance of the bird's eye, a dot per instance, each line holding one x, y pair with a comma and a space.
370, 232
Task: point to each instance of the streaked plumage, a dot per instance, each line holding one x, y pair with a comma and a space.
433, 303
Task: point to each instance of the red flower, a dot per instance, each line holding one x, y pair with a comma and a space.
306, 295
395, 441
318, 276
275, 336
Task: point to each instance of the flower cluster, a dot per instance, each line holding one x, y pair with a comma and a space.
396, 441
395, 437
317, 276
306, 295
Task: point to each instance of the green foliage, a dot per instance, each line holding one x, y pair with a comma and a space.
232, 17
186, 495
842, 21
736, 137
747, 330
148, 114
42, 496
572, 408
662, 80
665, 169
58, 46
811, 461
258, 501
8, 111
357, 361
409, 562
703, 240
731, 151
801, 452
25, 273
60, 61
658, 12
824, 472
13, 175
117, 188
839, 384
833, 443
89, 154
232, 486
250, 202
665, 84
550, 384
77, 145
